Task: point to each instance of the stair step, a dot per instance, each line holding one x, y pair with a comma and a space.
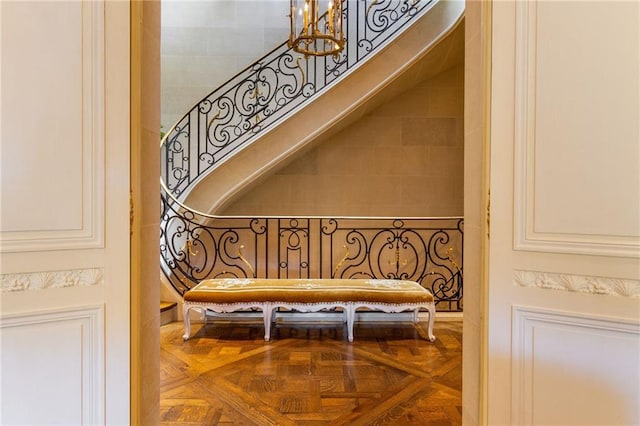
165, 306
168, 312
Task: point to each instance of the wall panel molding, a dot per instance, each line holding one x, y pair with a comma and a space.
25, 337
51, 279
577, 283
87, 139
555, 352
527, 233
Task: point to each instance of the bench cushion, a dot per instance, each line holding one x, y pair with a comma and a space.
243, 290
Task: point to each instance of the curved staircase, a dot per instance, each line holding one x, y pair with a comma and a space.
430, 44
423, 50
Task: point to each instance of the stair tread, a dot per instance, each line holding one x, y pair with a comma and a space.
165, 306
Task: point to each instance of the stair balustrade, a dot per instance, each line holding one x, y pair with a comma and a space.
195, 246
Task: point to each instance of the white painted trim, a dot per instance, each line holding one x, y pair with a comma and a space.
525, 236
524, 320
91, 319
577, 283
91, 234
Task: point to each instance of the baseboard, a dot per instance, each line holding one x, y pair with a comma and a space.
444, 316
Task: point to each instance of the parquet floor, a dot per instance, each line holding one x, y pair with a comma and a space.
309, 374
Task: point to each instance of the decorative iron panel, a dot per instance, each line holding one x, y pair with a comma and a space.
426, 250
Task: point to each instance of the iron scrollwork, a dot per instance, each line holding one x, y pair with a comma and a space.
428, 251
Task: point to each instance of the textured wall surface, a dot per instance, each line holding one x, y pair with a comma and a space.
405, 158
204, 43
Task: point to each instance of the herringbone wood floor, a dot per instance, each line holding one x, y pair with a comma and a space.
311, 375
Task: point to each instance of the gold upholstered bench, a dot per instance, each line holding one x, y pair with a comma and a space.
308, 295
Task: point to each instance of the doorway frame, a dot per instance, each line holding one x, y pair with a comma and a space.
145, 172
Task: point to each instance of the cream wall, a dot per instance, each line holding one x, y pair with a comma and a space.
204, 43
405, 158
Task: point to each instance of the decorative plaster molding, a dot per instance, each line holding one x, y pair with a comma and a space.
51, 279
577, 283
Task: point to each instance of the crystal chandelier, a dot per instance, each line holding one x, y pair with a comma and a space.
316, 32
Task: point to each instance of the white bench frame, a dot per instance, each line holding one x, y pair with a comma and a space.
269, 308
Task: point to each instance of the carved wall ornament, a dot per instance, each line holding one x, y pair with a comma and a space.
51, 279
578, 283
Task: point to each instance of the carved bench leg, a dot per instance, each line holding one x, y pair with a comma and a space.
432, 317
267, 314
351, 317
187, 321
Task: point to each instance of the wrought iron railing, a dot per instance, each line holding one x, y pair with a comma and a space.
273, 87
426, 250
